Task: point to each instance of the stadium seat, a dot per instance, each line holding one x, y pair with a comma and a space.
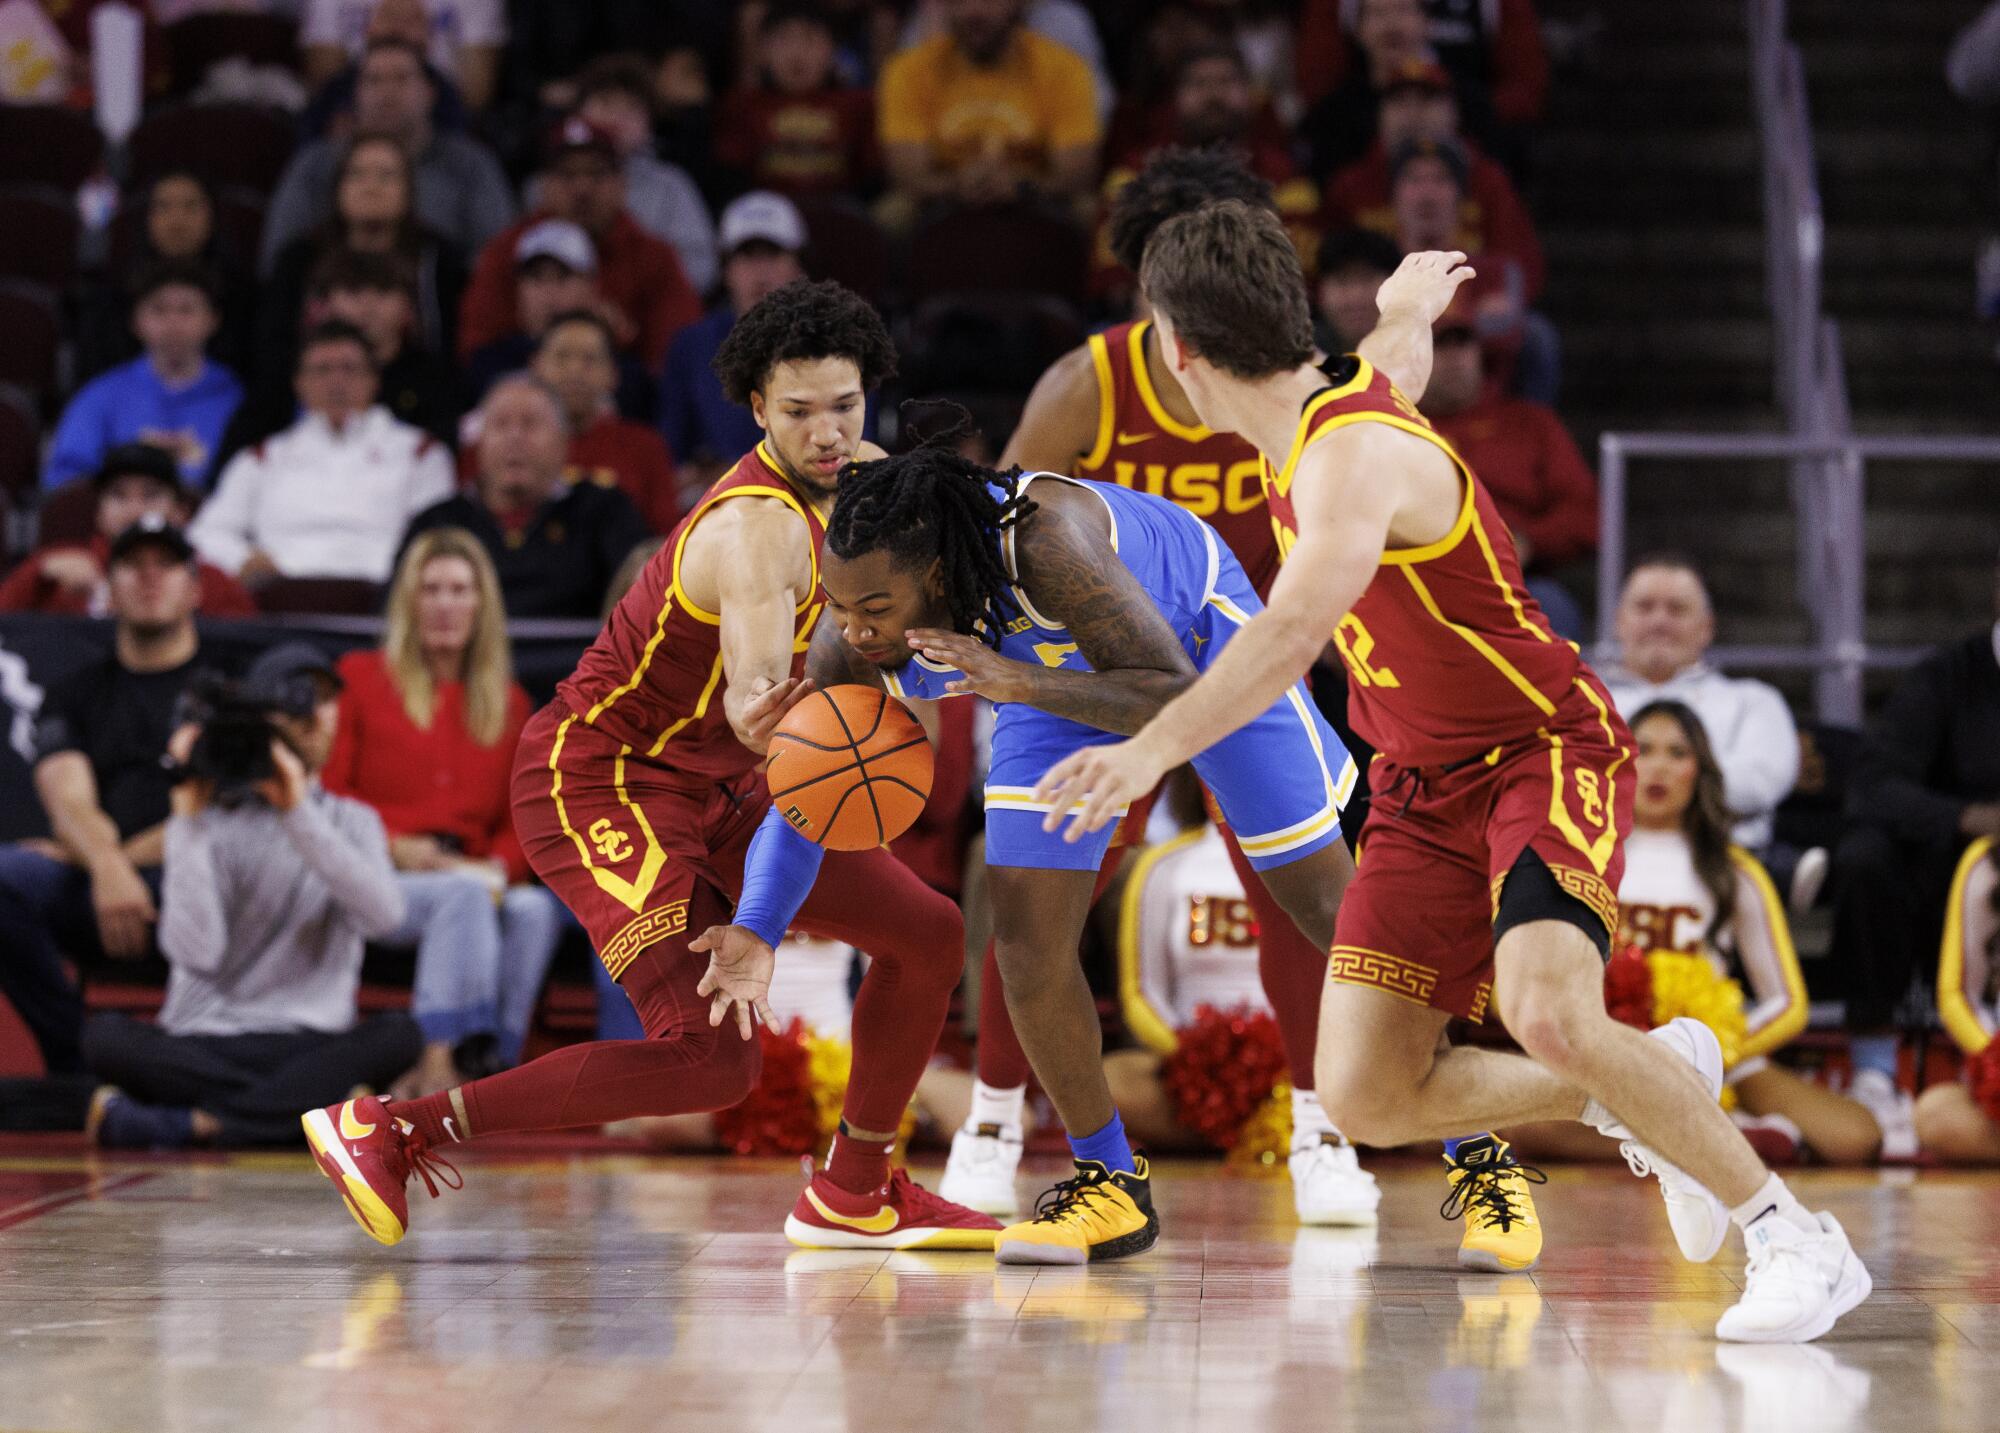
20, 444
999, 249
326, 596
48, 144
195, 44
38, 235
847, 246
227, 144
69, 515
29, 318
985, 341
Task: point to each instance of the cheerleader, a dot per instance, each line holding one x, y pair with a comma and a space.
1952, 1125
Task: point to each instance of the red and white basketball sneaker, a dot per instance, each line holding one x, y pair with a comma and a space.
368, 1153
900, 1215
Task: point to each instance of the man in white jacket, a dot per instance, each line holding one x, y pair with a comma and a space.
1665, 627
330, 495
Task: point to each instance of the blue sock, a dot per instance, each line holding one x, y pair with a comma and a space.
1108, 1147
1874, 1052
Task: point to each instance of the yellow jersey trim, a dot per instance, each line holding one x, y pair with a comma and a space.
1783, 1030
1147, 1024
784, 495
1507, 592
1281, 479
1954, 1009
1480, 645
1142, 379
1107, 403
632, 893
700, 709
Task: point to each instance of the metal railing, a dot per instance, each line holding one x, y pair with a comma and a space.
1828, 461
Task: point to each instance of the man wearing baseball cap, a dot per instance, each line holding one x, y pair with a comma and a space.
135, 481
762, 235
640, 283
91, 889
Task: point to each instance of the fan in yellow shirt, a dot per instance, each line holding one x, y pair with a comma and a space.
986, 110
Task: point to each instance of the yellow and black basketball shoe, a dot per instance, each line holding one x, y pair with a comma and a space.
1490, 1192
1099, 1214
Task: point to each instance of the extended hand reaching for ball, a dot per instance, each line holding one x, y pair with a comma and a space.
739, 974
1100, 781
987, 673
767, 707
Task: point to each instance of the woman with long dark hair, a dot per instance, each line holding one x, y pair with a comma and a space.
374, 199
1688, 889
1952, 1122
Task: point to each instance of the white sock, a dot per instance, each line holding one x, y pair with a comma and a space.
1772, 1197
1309, 1121
996, 1107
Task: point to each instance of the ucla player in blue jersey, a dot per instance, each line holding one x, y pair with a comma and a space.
1079, 609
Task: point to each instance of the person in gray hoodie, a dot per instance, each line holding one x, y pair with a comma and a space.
267, 899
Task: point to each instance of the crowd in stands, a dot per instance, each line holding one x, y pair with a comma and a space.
406, 308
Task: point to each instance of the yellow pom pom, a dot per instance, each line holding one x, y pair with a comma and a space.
1266, 1137
1690, 985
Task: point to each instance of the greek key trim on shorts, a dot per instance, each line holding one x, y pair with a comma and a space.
1593, 891
1476, 1011
655, 925
1357, 965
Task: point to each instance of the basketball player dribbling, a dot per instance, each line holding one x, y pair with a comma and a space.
1493, 846
1111, 411
636, 794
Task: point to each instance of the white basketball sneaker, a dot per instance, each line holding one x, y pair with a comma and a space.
1798, 1284
980, 1172
1329, 1186
1699, 1220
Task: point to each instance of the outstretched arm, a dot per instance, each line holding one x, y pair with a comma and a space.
757, 562
1076, 577
1343, 528
1410, 301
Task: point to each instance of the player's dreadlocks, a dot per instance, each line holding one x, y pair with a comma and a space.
931, 503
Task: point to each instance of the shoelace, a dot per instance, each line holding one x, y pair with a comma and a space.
916, 1200
1642, 1162
417, 1156
1484, 1189
1057, 1201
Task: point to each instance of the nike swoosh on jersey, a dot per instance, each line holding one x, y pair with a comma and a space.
880, 1222
1127, 439
350, 1127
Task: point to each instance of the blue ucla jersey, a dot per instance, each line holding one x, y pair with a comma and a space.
1281, 780
1175, 556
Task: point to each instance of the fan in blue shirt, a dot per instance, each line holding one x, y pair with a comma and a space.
172, 396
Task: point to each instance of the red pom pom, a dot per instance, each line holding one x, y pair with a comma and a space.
1985, 1071
1628, 988
777, 1116
1224, 1068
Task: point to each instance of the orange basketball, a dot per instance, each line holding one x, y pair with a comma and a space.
850, 768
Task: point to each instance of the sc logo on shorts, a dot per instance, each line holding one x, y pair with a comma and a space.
611, 843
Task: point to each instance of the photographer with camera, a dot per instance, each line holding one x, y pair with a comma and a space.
90, 890
271, 886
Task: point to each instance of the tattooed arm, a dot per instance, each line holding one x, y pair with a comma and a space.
1071, 573
830, 662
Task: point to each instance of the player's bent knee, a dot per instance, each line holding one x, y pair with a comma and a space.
1363, 1105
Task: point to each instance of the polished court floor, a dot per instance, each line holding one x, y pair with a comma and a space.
612, 1292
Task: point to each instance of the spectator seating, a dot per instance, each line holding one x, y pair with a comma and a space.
239, 219
227, 144
847, 246
38, 235
20, 442
30, 319
978, 341
327, 596
69, 515
195, 44
48, 144
997, 249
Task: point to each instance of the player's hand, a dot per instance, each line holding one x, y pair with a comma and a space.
767, 707
1423, 285
987, 673
1100, 781
739, 974
285, 788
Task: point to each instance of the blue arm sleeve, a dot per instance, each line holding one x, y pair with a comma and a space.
778, 874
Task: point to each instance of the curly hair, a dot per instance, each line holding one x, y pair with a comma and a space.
1178, 181
803, 320
931, 504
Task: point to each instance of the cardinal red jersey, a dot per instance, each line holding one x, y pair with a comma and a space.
1450, 656
653, 679
1213, 475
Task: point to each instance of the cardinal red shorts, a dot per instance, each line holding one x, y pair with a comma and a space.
1417, 921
